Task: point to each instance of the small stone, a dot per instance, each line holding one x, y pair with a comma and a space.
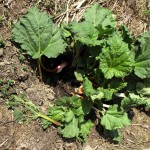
7, 62
1, 52
23, 85
87, 147
2, 64
8, 71
23, 76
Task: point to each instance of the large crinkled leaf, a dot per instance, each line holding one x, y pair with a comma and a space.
116, 59
142, 61
38, 35
134, 100
102, 18
85, 33
115, 118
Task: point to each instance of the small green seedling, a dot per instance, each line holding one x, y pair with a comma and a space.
25, 68
2, 44
1, 19
5, 86
147, 12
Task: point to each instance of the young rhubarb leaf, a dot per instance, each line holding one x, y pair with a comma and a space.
79, 75
115, 118
69, 116
90, 91
58, 113
88, 87
142, 61
38, 35
102, 19
85, 33
114, 86
116, 59
143, 89
134, 100
86, 128
107, 93
71, 113
73, 102
71, 130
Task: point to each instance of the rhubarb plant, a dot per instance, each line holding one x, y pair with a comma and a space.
71, 112
38, 36
112, 67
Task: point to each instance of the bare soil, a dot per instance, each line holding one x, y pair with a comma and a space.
22, 70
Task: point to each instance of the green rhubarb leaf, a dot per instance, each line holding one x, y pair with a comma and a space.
134, 100
66, 33
97, 96
115, 118
69, 116
95, 50
38, 35
116, 59
88, 87
57, 113
102, 19
73, 101
116, 85
127, 37
85, 33
142, 61
71, 130
107, 93
143, 89
90, 91
86, 128
79, 75
87, 106
79, 112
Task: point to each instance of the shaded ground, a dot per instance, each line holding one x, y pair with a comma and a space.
20, 72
